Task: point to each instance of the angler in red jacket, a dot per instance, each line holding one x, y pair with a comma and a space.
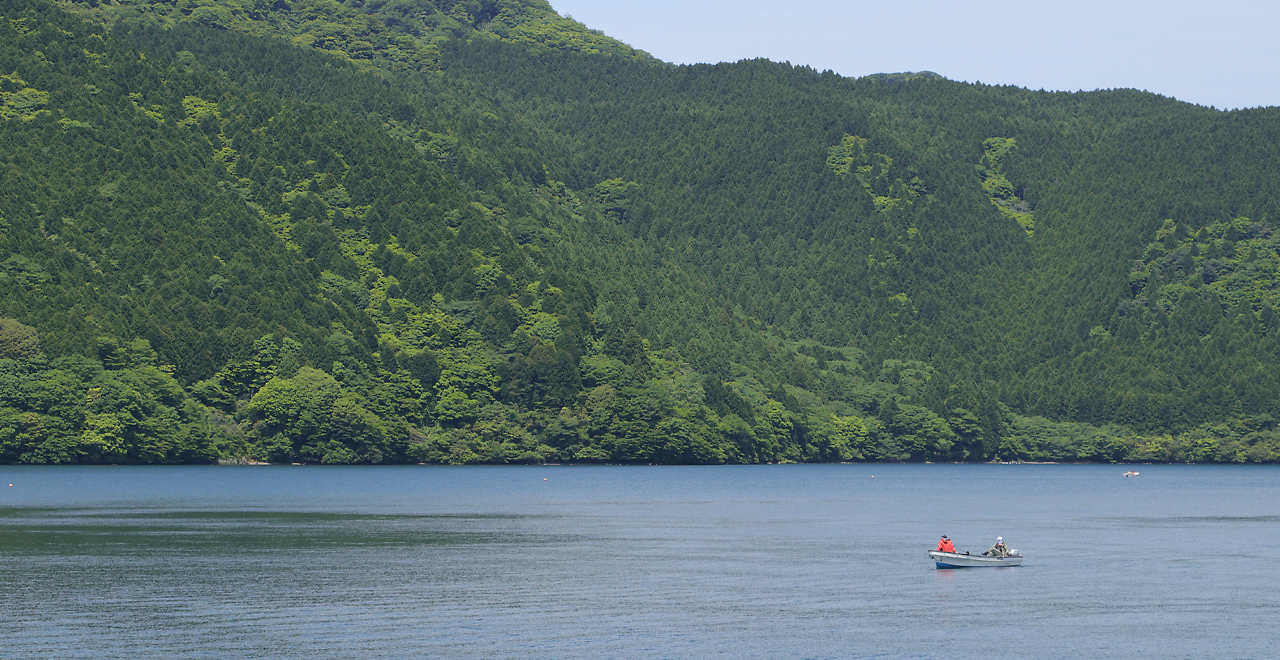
945, 545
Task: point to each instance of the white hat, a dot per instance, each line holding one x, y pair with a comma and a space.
999, 538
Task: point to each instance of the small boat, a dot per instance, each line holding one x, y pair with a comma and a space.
1130, 473
960, 560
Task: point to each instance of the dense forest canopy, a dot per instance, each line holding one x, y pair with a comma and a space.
462, 232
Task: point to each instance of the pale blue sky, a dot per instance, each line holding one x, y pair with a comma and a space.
1224, 53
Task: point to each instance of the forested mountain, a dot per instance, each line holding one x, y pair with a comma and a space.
440, 231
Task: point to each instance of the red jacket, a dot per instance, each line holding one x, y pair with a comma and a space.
945, 546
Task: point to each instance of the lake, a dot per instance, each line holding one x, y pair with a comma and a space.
787, 561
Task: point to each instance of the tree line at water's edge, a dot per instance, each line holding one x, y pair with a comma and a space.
475, 232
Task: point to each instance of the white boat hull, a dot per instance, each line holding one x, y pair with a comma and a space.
958, 560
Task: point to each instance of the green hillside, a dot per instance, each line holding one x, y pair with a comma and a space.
462, 232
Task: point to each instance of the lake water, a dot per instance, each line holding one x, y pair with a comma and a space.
798, 561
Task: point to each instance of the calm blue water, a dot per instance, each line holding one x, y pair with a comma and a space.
821, 561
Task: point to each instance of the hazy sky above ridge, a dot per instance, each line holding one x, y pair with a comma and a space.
1222, 54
